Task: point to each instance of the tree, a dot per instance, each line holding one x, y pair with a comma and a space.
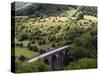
20, 44
42, 42
83, 46
53, 45
84, 63
22, 58
35, 48
42, 51
79, 52
79, 15
37, 66
22, 36
54, 20
33, 41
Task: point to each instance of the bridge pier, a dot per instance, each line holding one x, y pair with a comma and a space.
56, 60
60, 61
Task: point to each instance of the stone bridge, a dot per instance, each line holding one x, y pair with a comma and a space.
55, 58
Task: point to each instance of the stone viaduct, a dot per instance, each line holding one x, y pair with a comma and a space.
55, 58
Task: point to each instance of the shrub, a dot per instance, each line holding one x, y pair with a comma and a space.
84, 63
53, 45
33, 42
22, 58
32, 47
42, 42
54, 20
19, 44
37, 66
52, 38
42, 51
35, 48
83, 46
29, 46
79, 15
22, 36
68, 42
78, 52
58, 44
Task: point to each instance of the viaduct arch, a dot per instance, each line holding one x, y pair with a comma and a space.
55, 58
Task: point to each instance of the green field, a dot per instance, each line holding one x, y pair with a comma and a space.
25, 52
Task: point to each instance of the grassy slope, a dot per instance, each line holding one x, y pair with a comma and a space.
25, 52
46, 24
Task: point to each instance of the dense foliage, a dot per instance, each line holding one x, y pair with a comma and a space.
84, 63
38, 66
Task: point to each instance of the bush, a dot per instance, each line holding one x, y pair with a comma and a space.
37, 66
22, 58
29, 46
54, 20
42, 51
19, 44
35, 48
33, 42
22, 36
53, 45
83, 46
58, 44
78, 52
79, 15
68, 42
42, 42
84, 63
32, 47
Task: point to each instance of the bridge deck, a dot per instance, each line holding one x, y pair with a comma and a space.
46, 54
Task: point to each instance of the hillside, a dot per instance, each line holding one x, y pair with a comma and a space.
39, 9
44, 27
